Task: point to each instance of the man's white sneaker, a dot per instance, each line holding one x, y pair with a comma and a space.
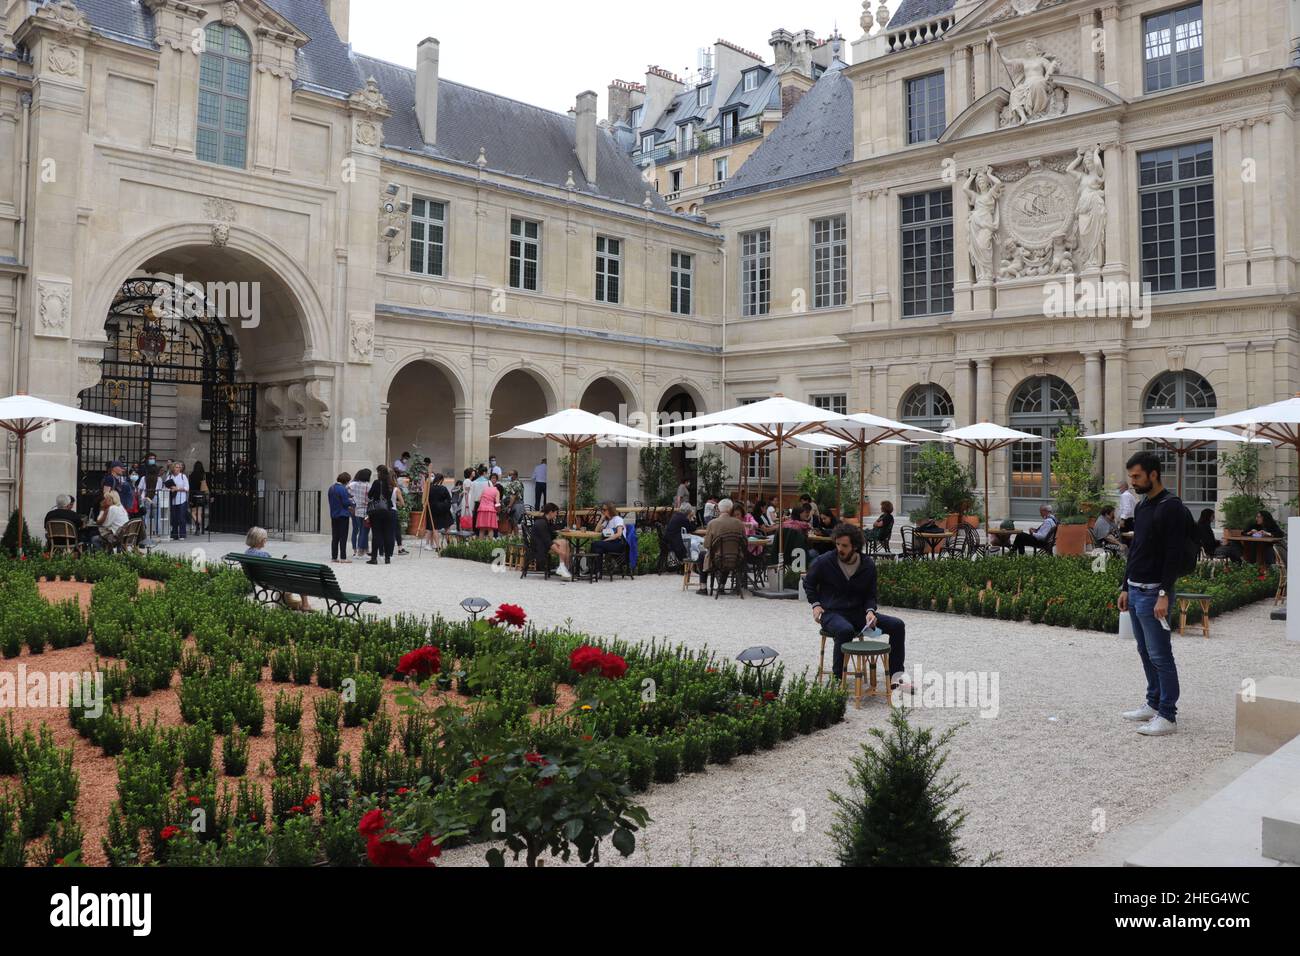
1158, 727
1143, 713
563, 572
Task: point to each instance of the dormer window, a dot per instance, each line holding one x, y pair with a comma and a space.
703, 95
638, 114
751, 81
648, 143
224, 71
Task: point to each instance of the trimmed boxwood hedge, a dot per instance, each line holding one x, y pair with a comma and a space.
1062, 591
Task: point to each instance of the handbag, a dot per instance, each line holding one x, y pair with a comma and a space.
466, 523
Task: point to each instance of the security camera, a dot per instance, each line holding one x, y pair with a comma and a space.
392, 189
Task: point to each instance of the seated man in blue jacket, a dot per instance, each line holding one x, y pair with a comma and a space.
841, 587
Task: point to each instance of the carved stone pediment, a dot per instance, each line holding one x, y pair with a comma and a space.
1071, 95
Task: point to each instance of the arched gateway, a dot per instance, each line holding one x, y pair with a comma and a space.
171, 363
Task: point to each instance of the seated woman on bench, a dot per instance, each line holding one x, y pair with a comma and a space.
256, 542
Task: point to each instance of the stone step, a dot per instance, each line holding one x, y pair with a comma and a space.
1271, 718
1227, 829
1282, 830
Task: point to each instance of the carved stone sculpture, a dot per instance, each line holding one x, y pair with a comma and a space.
1090, 208
982, 189
1034, 93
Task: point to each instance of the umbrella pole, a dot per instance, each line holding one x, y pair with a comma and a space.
862, 487
988, 520
780, 524
839, 478
573, 483
22, 474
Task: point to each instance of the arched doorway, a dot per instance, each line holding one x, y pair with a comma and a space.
1039, 406
924, 406
605, 397
1168, 398
519, 397
172, 364
678, 405
421, 418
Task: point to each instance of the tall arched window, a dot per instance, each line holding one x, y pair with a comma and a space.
223, 97
925, 406
1040, 406
1176, 395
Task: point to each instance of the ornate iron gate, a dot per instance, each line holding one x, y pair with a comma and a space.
162, 333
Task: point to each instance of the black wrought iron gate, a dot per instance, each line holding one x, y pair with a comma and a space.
160, 333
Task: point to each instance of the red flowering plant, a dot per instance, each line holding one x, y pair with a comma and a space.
599, 672
420, 663
400, 832
511, 615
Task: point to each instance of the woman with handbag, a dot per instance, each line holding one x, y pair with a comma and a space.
383, 520
359, 489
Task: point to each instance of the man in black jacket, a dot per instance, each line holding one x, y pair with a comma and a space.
841, 587
1160, 525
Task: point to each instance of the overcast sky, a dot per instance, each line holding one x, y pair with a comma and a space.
546, 52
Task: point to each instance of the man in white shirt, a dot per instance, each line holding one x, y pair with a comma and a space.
402, 465
178, 483
539, 485
493, 467
1127, 505
1039, 537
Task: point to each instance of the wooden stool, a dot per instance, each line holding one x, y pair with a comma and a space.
1184, 601
860, 663
688, 568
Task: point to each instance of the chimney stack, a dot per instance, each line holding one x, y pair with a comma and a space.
426, 89
585, 141
782, 43
340, 15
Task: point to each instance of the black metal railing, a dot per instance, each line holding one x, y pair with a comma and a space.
286, 512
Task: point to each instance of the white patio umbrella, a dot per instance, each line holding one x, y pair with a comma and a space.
576, 429
743, 441
986, 437
779, 419
862, 430
1279, 422
1179, 437
23, 414
838, 447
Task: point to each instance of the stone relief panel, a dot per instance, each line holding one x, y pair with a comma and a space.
361, 338
54, 307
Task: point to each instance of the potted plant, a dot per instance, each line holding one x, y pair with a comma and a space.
1248, 489
949, 487
1078, 490
711, 472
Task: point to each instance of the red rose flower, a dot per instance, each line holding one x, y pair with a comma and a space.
769, 695
386, 853
472, 778
421, 662
402, 790
511, 614
311, 801
537, 759
297, 809
372, 823
194, 801
170, 831
613, 666
586, 658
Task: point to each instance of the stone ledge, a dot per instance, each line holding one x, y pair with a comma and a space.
1271, 719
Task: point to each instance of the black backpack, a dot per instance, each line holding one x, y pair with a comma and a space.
1189, 545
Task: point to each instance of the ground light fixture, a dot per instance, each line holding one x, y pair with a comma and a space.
475, 606
758, 657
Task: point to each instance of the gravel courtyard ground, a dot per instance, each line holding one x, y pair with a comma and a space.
1046, 778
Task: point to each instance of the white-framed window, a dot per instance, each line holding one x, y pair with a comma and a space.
927, 253
638, 114
1176, 216
681, 283
925, 110
720, 165
685, 139
609, 269
675, 177
751, 81
525, 254
1173, 48
824, 461
648, 143
830, 262
759, 464
703, 95
756, 272
225, 70
428, 236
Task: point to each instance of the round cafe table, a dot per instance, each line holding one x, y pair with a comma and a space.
933, 539
1254, 547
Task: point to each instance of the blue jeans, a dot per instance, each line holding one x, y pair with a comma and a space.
180, 519
845, 627
1155, 647
360, 536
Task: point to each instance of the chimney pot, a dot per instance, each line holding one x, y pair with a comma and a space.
586, 133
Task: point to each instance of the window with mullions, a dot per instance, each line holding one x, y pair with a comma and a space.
525, 254
925, 109
1040, 406
1173, 48
609, 269
758, 466
681, 283
224, 71
925, 406
927, 253
1175, 395
824, 461
830, 262
1176, 200
428, 237
756, 272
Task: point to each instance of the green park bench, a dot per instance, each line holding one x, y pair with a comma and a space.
272, 578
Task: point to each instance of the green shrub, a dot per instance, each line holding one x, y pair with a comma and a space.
234, 753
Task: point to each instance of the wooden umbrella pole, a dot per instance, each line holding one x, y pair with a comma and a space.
22, 475
862, 487
780, 525
988, 519
573, 483
839, 477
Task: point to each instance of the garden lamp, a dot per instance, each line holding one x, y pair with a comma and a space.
758, 657
475, 606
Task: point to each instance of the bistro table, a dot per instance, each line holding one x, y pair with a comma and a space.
577, 536
933, 540
1000, 538
1254, 547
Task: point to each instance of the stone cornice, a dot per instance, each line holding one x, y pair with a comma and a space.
63, 21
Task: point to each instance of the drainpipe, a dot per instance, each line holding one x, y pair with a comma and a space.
25, 165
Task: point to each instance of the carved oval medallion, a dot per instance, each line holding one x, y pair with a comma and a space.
1038, 208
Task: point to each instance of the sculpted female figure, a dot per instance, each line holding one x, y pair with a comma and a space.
1090, 209
1031, 78
982, 190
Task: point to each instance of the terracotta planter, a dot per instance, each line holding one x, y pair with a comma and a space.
1071, 538
415, 526
950, 521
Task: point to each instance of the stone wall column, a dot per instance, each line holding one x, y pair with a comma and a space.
1118, 207
962, 270
1112, 50
1238, 377
1116, 411
1087, 55
1093, 412
463, 435
981, 55
1234, 202
1261, 204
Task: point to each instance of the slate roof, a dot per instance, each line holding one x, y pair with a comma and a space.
909, 11
765, 96
519, 139
812, 142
